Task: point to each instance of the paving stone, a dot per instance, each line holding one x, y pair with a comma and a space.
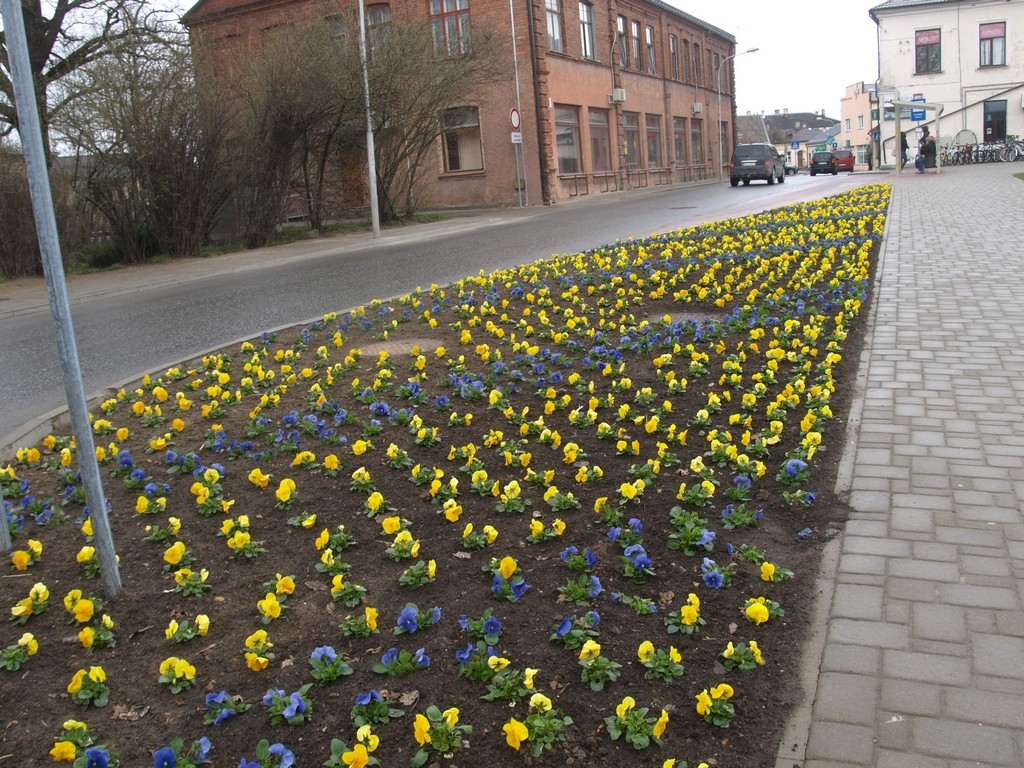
997, 655
886, 758
926, 667
851, 658
987, 597
871, 633
840, 742
846, 698
928, 570
965, 741
1004, 710
854, 601
908, 697
930, 550
985, 566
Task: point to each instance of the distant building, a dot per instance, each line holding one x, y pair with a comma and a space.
795, 134
612, 96
966, 55
856, 123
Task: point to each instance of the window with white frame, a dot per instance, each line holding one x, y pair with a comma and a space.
696, 142
449, 21
567, 138
554, 10
378, 25
620, 29
635, 41
860, 121
631, 139
653, 141
679, 139
463, 149
600, 140
992, 44
928, 47
587, 30
652, 67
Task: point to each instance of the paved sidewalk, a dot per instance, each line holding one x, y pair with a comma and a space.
923, 660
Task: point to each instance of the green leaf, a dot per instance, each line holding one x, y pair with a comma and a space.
418, 759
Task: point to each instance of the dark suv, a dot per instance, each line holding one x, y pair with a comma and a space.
756, 161
823, 162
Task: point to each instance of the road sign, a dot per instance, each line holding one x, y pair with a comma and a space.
515, 119
517, 137
794, 145
917, 115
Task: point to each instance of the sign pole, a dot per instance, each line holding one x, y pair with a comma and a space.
53, 266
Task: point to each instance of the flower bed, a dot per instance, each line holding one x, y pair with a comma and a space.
568, 513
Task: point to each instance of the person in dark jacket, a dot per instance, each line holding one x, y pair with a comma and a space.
904, 148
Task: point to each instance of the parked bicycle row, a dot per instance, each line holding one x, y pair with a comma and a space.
965, 154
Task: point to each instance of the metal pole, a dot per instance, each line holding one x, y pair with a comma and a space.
49, 246
718, 81
524, 194
371, 163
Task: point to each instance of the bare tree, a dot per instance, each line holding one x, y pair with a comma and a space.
149, 151
291, 102
76, 34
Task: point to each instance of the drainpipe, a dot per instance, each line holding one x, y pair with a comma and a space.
545, 187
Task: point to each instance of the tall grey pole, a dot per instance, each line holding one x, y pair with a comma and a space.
371, 163
49, 246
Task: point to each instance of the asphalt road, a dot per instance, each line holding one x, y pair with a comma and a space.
146, 319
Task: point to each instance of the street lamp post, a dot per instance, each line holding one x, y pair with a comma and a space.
718, 80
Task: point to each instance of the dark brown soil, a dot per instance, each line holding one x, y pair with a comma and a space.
144, 715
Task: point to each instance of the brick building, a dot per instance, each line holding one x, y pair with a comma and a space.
610, 95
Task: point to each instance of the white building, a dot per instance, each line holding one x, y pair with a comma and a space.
967, 55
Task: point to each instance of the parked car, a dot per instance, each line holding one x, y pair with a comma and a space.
788, 167
823, 162
844, 159
756, 161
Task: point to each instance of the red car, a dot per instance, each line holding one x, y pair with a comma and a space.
844, 160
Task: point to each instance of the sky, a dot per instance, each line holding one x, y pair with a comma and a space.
808, 51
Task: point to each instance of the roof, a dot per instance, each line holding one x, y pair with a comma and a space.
891, 5
196, 11
693, 20
751, 128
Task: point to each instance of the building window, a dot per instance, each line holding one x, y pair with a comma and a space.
623, 42
679, 139
652, 67
724, 87
860, 121
554, 25
635, 42
461, 135
587, 30
707, 66
847, 128
567, 138
686, 62
696, 142
993, 44
696, 65
600, 140
929, 51
631, 139
378, 25
994, 120
449, 20
654, 141
673, 55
